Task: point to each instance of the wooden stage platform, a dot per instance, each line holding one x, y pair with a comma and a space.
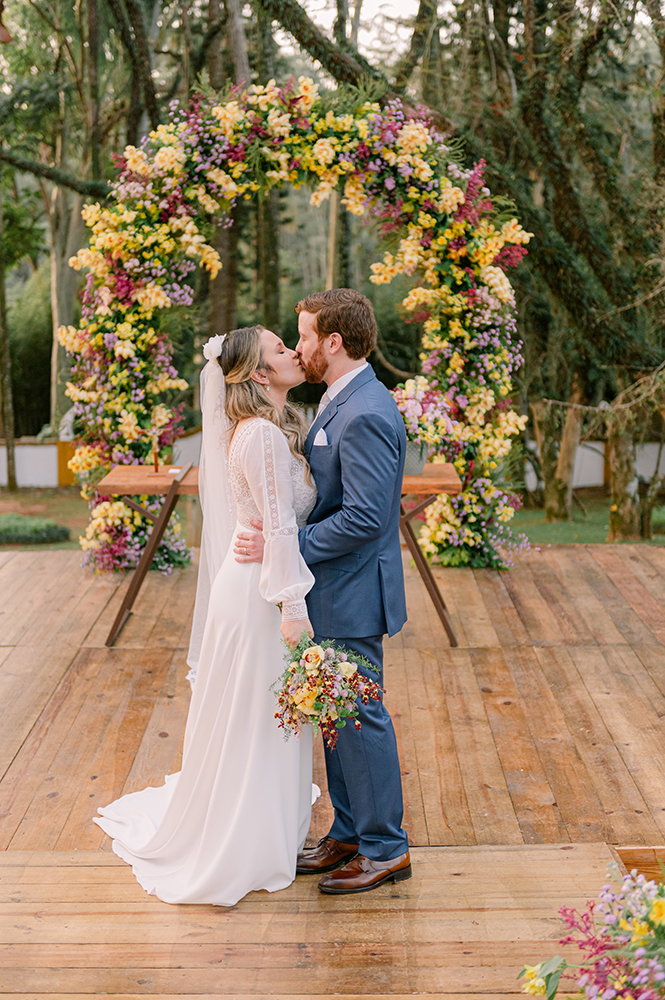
526, 751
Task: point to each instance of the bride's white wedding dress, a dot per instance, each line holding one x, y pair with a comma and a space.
233, 819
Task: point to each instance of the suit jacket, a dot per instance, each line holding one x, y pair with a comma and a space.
351, 542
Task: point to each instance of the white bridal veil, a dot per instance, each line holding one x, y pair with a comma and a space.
215, 494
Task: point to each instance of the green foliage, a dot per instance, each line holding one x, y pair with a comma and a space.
23, 234
19, 529
30, 338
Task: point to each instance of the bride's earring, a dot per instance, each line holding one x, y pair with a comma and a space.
267, 386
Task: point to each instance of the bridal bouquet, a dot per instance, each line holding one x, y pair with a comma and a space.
320, 687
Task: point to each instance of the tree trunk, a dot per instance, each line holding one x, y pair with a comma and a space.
67, 232
355, 23
268, 237
547, 440
559, 498
215, 55
144, 63
238, 42
339, 27
625, 509
6, 369
224, 288
344, 248
333, 217
658, 112
422, 29
93, 76
430, 73
268, 207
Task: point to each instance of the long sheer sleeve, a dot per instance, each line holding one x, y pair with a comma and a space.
266, 464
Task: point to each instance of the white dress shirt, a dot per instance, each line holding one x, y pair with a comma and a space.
333, 390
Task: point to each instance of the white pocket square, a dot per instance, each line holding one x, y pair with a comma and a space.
320, 439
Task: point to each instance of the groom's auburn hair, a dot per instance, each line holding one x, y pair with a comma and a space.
346, 312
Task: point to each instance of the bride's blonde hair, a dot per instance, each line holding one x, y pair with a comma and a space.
242, 354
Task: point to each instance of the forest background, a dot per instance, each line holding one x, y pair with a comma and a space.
564, 101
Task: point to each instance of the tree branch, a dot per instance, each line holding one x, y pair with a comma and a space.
96, 189
569, 217
389, 365
347, 66
422, 26
343, 66
602, 334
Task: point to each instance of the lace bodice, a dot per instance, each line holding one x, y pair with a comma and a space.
269, 485
304, 495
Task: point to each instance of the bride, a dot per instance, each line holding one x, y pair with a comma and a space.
236, 815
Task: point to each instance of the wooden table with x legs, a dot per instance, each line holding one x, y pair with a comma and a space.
174, 481
432, 481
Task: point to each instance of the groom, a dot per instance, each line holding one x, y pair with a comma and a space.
355, 448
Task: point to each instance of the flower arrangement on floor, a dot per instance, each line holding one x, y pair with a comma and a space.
622, 937
117, 535
321, 687
187, 176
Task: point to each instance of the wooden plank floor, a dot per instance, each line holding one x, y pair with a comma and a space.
76, 924
545, 725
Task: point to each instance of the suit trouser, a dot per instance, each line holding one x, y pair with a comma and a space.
363, 770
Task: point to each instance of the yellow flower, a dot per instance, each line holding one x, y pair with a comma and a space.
413, 137
152, 297
228, 116
308, 92
129, 426
657, 912
137, 161
313, 658
223, 181
124, 349
304, 699
278, 123
323, 151
449, 197
71, 339
261, 97
208, 203
498, 282
84, 459
535, 984
160, 416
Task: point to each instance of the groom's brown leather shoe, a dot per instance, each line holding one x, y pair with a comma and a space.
325, 857
362, 874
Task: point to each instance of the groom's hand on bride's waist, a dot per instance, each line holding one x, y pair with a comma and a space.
248, 546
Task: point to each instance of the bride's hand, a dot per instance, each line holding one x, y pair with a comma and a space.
292, 631
249, 545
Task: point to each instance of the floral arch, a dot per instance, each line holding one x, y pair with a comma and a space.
187, 175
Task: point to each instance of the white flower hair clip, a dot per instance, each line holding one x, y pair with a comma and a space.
213, 347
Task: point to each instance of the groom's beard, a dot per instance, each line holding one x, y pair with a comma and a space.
317, 365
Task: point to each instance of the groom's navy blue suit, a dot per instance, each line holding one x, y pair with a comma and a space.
351, 543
